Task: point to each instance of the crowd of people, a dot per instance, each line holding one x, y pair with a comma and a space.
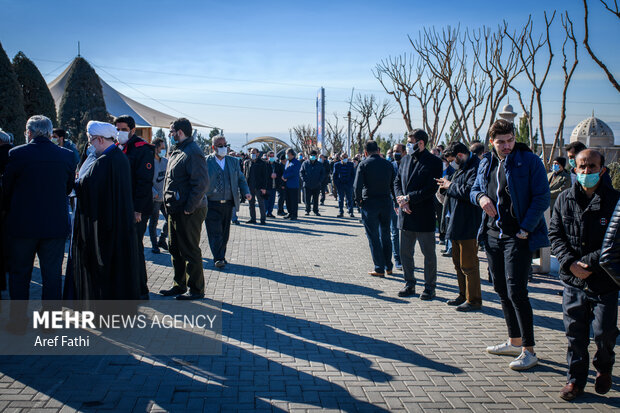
467, 198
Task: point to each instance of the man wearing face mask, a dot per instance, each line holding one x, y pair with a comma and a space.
397, 155
105, 248
141, 158
344, 174
226, 183
291, 179
312, 174
415, 190
559, 179
463, 226
185, 186
159, 174
572, 150
512, 189
257, 175
59, 137
590, 299
275, 182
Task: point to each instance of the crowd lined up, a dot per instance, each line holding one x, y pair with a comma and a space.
104, 199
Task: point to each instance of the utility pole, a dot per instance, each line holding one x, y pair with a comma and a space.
349, 138
79, 48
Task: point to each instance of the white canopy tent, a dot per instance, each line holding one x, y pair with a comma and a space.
118, 104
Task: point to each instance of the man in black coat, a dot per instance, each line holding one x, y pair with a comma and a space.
141, 157
415, 190
579, 221
104, 249
312, 175
38, 177
275, 182
463, 226
373, 186
257, 175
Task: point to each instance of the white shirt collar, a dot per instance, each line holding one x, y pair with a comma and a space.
221, 162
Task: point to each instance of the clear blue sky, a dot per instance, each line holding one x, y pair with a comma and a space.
255, 66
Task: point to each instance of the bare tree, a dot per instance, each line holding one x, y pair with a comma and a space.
615, 11
528, 50
567, 24
371, 113
498, 62
397, 76
336, 137
303, 138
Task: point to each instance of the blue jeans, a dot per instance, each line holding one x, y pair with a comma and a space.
270, 201
581, 310
345, 191
376, 219
395, 236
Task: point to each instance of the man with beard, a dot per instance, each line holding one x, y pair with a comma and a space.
141, 159
104, 250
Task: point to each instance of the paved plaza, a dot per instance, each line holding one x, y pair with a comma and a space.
305, 328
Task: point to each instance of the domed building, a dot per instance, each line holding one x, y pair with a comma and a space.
508, 113
594, 133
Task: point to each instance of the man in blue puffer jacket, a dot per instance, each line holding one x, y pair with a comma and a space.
512, 189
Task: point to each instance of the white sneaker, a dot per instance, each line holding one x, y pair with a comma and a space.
504, 349
525, 361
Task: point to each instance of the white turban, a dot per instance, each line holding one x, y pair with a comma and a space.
95, 128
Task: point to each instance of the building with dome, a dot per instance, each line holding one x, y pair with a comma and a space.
594, 133
508, 113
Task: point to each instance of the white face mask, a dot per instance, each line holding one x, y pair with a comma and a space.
410, 148
222, 151
122, 137
454, 165
345, 160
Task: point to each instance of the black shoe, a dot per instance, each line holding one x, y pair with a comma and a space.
322, 202
407, 292
602, 383
250, 221
427, 295
263, 222
176, 290
340, 215
447, 254
280, 213
270, 215
293, 218
163, 244
457, 301
307, 212
190, 296
236, 222
220, 263
466, 307
317, 214
155, 250
352, 215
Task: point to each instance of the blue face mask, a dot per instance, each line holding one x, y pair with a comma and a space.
572, 163
173, 140
588, 180
312, 158
555, 167
272, 159
389, 158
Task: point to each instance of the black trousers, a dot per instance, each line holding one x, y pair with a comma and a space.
376, 218
185, 251
312, 199
580, 311
281, 199
22, 251
154, 220
292, 201
218, 227
140, 230
509, 263
257, 197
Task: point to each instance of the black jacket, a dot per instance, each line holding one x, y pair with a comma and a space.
278, 169
327, 170
416, 178
312, 174
374, 179
257, 174
577, 235
141, 157
465, 217
610, 253
38, 177
187, 178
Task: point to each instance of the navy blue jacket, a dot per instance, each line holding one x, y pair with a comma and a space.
529, 191
312, 174
344, 174
38, 177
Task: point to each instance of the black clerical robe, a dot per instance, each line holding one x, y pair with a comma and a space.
104, 248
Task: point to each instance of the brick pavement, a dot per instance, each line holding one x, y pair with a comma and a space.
306, 329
